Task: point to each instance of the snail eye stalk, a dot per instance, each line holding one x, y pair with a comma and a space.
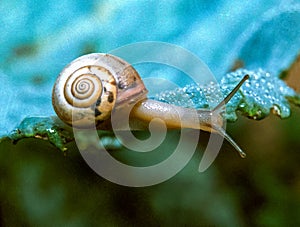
231, 94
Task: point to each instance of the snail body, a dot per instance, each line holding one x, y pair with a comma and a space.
93, 87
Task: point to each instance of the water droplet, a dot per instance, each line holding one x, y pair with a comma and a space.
276, 110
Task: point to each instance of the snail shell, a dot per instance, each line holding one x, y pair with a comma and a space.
91, 86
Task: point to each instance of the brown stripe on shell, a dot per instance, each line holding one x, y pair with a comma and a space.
110, 97
97, 112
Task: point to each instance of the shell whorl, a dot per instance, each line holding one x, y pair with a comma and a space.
90, 87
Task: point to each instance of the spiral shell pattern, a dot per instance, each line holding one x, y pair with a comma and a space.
88, 89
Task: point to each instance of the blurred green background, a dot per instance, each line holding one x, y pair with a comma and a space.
41, 186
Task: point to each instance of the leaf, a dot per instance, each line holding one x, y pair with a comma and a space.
260, 95
255, 99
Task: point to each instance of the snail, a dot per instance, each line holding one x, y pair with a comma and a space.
94, 86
